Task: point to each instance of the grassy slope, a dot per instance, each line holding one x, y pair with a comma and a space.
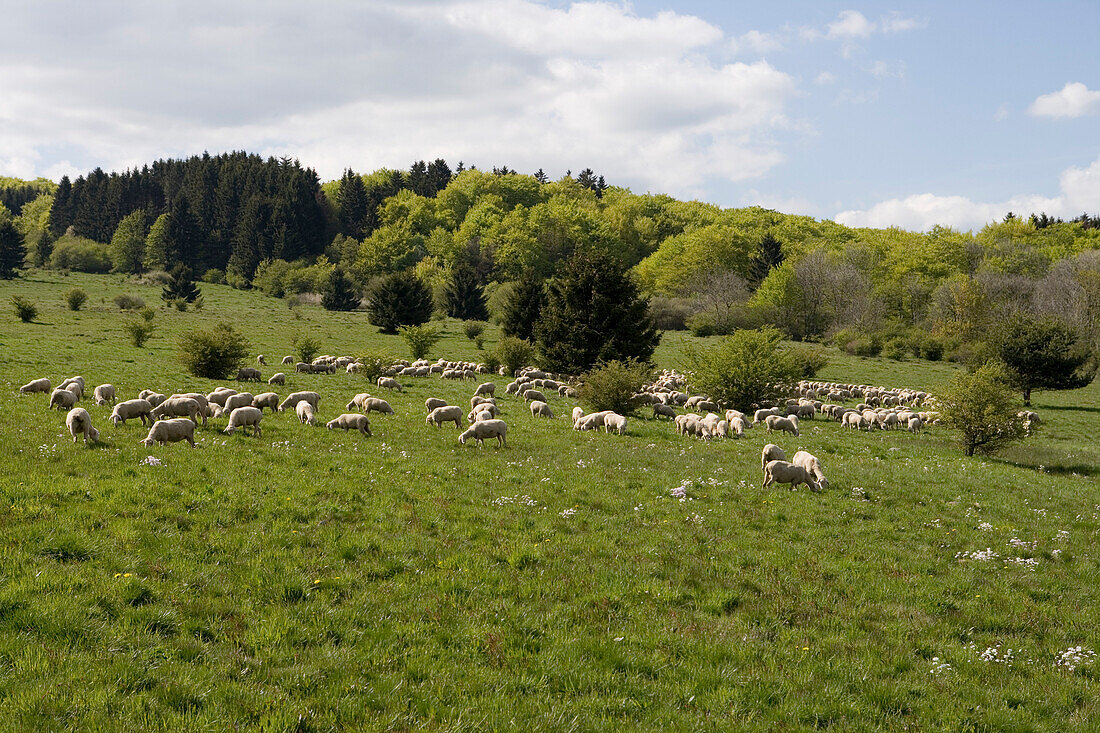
326, 580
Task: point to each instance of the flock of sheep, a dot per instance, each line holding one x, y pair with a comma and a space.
173, 418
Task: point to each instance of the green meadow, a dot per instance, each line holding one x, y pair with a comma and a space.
319, 580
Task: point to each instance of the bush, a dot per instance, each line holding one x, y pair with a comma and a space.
306, 348
398, 300
214, 275
514, 353
807, 360
374, 363
213, 354
931, 348
745, 370
25, 309
613, 386
339, 293
128, 302
473, 329
420, 339
82, 255
701, 325
139, 331
181, 288
75, 298
983, 408
896, 348
863, 346
670, 314
490, 360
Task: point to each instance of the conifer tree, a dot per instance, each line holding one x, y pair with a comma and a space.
339, 294
353, 205
465, 298
156, 245
523, 307
181, 285
769, 255
400, 299
12, 250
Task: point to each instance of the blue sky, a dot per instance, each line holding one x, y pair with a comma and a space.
874, 114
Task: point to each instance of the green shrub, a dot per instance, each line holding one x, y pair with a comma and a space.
420, 339
75, 298
373, 364
128, 302
931, 348
306, 347
214, 275
807, 360
216, 353
514, 353
701, 325
473, 329
745, 370
139, 331
896, 348
983, 408
863, 346
147, 313
613, 386
490, 360
82, 255
24, 309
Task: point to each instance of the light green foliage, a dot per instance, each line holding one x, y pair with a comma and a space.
983, 409
127, 248
745, 371
156, 245
33, 222
373, 363
139, 330
420, 339
513, 354
306, 347
214, 353
80, 254
614, 386
25, 309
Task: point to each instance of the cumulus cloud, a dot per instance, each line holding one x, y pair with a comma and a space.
755, 42
1080, 191
1073, 100
825, 77
850, 24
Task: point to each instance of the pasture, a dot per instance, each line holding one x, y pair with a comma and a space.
318, 580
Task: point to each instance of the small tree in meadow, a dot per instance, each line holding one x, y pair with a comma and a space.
984, 409
139, 330
475, 331
398, 300
25, 309
306, 347
213, 354
613, 386
75, 298
181, 288
513, 353
420, 339
339, 293
745, 370
373, 364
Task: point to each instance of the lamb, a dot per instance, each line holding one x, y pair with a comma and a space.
79, 423
248, 374
78, 381
479, 400
267, 399
787, 473
614, 421
663, 410
261, 360
245, 417
486, 411
295, 397
288, 360
37, 385
855, 420
389, 383
533, 394
738, 425
722, 429
277, 378
171, 431
915, 424
130, 409
241, 399
488, 388
351, 421
305, 413
486, 429
784, 424
541, 409
446, 413
578, 413
104, 394
179, 407
811, 463
62, 399
771, 452
433, 402
588, 422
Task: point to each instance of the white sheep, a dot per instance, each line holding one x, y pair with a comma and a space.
771, 452
541, 409
782, 472
483, 429
305, 413
154, 398
179, 407
784, 424
204, 404
487, 388
446, 413
811, 463
74, 385
220, 395
295, 397
578, 413
614, 422
104, 394
759, 415
662, 410
358, 401
738, 425
288, 360
130, 409
36, 385
248, 374
171, 431
79, 423
245, 417
377, 404
266, 399
479, 400
533, 394
261, 360
277, 378
722, 429
62, 399
915, 424
350, 421
433, 402
241, 399
389, 383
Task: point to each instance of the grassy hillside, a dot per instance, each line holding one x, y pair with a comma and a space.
316, 580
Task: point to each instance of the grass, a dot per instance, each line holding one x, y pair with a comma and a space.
316, 580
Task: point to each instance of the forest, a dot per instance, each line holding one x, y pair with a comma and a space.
272, 225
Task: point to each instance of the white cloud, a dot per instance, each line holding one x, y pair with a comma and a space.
850, 24
1073, 100
825, 77
896, 23
755, 42
887, 69
1080, 191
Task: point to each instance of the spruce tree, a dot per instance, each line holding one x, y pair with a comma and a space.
340, 293
181, 285
769, 255
594, 313
465, 298
400, 299
12, 251
353, 205
523, 306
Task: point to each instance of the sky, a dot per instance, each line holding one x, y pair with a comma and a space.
873, 114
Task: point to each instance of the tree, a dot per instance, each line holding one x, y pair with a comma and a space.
522, 308
127, 246
420, 339
400, 299
156, 245
339, 293
615, 386
769, 255
353, 205
513, 354
213, 354
465, 298
746, 370
12, 251
1042, 354
983, 408
594, 312
181, 285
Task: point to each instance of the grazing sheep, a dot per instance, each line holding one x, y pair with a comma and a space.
358, 401
79, 423
785, 424
377, 405
483, 429
479, 400
614, 422
180, 407
204, 404
593, 421
245, 417
220, 395
541, 409
248, 374
104, 394
855, 420
488, 388
781, 472
915, 424
241, 399
154, 398
62, 399
351, 421
578, 413
722, 429
37, 385
533, 394
277, 378
707, 406
660, 410
811, 463
738, 425
389, 383
171, 431
267, 399
74, 385
759, 415
261, 360
771, 452
433, 402
130, 409
446, 413
288, 360
305, 413
295, 397
733, 414
483, 412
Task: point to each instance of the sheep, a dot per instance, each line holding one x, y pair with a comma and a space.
62, 399
351, 421
533, 394
37, 385
433, 402
248, 374
567, 391
787, 473
811, 463
261, 360
732, 414
79, 381
358, 401
446, 413
488, 413
593, 421
389, 383
481, 430
179, 407
277, 378
288, 360
305, 413
785, 424
760, 415
578, 413
663, 410
154, 398
171, 431
541, 409
267, 399
247, 416
104, 394
722, 429
295, 397
915, 424
241, 399
378, 405
220, 395
738, 425
79, 423
707, 406
614, 421
479, 400
130, 409
204, 404
487, 388
771, 452
855, 420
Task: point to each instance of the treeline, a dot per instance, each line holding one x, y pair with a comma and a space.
15, 192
